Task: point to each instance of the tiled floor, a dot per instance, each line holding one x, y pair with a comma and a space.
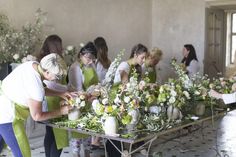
214, 139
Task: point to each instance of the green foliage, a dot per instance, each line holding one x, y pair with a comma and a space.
17, 44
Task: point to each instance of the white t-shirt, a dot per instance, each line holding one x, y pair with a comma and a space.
75, 76
19, 86
193, 68
124, 66
101, 71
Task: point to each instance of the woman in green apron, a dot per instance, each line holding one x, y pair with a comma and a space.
82, 75
55, 139
149, 66
122, 75
22, 94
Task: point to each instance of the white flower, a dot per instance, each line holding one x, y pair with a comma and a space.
81, 44
117, 100
69, 48
173, 93
141, 85
95, 104
16, 56
127, 99
186, 94
31, 58
82, 97
114, 107
197, 92
172, 100
161, 89
77, 100
82, 104
105, 101
24, 60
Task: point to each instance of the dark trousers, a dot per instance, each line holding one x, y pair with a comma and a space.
111, 150
50, 144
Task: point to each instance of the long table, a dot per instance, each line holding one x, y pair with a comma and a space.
146, 136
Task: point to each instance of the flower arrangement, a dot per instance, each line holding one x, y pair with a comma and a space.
17, 44
182, 76
78, 102
110, 75
70, 54
173, 94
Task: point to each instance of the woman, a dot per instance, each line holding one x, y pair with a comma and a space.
82, 74
190, 60
55, 139
22, 94
137, 58
122, 75
149, 66
102, 62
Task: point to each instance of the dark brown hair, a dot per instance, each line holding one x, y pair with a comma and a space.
102, 52
52, 44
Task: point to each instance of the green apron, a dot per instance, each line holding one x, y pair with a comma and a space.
151, 74
61, 135
18, 124
90, 78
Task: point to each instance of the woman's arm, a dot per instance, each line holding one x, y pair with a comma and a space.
65, 95
124, 76
38, 115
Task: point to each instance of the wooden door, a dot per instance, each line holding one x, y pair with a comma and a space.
214, 62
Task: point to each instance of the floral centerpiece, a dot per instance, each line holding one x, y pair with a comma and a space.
110, 75
79, 105
70, 54
17, 44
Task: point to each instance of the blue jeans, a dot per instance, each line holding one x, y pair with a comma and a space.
7, 133
1, 144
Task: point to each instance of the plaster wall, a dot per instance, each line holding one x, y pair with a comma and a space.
123, 23
175, 23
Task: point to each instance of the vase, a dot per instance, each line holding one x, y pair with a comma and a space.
110, 126
173, 113
74, 114
135, 114
155, 109
200, 109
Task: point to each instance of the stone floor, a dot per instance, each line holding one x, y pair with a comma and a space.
216, 139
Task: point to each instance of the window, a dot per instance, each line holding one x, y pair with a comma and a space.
231, 38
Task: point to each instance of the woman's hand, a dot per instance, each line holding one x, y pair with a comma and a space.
68, 95
64, 110
215, 94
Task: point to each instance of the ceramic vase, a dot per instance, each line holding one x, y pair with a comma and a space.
110, 126
74, 114
174, 113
